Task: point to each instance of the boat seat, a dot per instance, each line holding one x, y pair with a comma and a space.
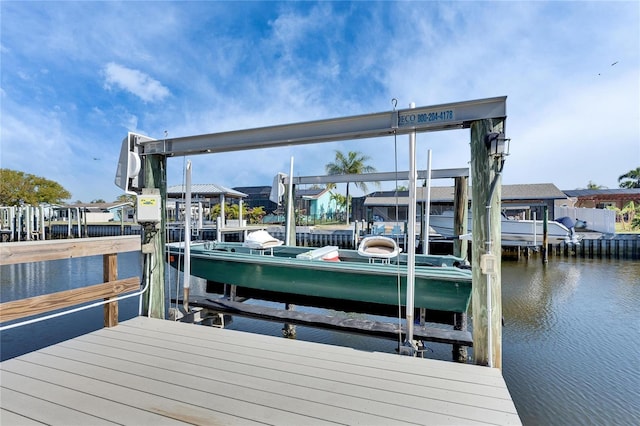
378, 247
323, 253
261, 240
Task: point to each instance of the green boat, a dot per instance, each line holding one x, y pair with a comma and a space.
442, 283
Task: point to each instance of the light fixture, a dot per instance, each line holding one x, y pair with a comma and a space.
497, 144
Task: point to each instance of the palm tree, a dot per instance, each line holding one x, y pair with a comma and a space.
592, 185
351, 164
339, 201
631, 179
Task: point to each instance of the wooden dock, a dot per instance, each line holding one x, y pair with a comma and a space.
150, 371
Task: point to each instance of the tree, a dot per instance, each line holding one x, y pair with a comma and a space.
19, 188
351, 164
256, 214
339, 200
98, 201
628, 216
592, 185
631, 179
126, 198
231, 211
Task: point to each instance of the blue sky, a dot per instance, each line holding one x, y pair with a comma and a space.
77, 76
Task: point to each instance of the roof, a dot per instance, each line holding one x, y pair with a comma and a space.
581, 193
310, 193
445, 194
95, 206
537, 191
263, 191
204, 190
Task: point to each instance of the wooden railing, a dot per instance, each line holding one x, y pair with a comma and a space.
40, 251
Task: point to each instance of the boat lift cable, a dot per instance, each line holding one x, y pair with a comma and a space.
181, 228
167, 255
394, 101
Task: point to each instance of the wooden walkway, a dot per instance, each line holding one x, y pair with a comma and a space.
147, 371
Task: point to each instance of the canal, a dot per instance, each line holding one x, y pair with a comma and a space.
571, 338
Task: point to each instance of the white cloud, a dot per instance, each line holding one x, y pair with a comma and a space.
134, 81
278, 63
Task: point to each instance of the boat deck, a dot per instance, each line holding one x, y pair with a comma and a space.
148, 371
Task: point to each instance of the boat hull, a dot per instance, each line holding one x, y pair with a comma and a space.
512, 231
441, 288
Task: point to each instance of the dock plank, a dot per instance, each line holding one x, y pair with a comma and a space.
341, 355
309, 358
205, 375
11, 418
345, 401
45, 411
59, 388
186, 391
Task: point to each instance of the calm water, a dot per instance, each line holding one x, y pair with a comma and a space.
571, 341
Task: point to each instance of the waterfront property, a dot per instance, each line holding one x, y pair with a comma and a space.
523, 201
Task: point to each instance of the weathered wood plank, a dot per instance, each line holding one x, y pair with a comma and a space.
38, 251
350, 325
63, 299
110, 273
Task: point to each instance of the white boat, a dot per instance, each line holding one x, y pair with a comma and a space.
514, 232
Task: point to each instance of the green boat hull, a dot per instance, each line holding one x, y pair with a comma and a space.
442, 288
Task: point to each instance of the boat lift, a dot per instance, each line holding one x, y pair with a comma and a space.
142, 168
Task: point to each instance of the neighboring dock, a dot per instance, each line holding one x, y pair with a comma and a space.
145, 371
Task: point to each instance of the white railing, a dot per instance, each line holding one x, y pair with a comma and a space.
599, 220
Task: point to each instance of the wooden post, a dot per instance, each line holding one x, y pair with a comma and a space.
545, 235
460, 249
289, 330
459, 352
460, 221
110, 273
483, 171
155, 176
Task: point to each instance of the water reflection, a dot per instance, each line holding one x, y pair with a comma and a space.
570, 344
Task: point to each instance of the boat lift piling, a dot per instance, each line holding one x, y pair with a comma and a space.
482, 116
409, 346
545, 235
186, 276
